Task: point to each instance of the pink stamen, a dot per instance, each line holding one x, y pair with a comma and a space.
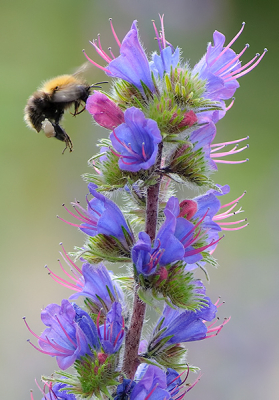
235, 229
94, 63
143, 152
43, 351
230, 105
114, 34
231, 142
231, 73
65, 332
30, 330
111, 53
200, 249
231, 162
101, 53
234, 222
236, 58
62, 281
163, 31
84, 218
157, 36
120, 333
194, 384
248, 69
234, 201
217, 329
230, 152
195, 226
152, 391
128, 163
229, 45
57, 347
70, 260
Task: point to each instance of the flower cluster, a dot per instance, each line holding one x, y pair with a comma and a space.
161, 119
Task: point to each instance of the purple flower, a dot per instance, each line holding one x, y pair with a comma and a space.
185, 232
180, 325
221, 67
167, 248
124, 389
153, 386
96, 284
202, 138
112, 332
105, 112
132, 65
103, 216
168, 57
71, 333
136, 141
55, 393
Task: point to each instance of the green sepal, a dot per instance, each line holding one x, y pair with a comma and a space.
103, 247
92, 378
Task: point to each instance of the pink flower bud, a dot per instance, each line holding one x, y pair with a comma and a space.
188, 209
105, 112
189, 119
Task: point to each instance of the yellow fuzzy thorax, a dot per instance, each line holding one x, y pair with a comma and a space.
60, 81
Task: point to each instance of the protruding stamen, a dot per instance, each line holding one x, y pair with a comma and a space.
236, 58
114, 34
163, 31
111, 53
230, 105
157, 36
229, 45
94, 63
248, 69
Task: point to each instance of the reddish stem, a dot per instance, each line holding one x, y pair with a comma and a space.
131, 361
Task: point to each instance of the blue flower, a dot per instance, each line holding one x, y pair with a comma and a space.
102, 216
202, 138
132, 65
136, 141
55, 393
65, 338
97, 285
112, 332
221, 67
168, 57
167, 248
124, 390
182, 325
153, 386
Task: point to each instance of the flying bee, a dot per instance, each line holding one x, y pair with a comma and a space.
45, 108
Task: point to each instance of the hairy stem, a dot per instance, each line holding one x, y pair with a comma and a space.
133, 336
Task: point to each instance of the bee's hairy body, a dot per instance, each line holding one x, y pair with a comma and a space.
45, 108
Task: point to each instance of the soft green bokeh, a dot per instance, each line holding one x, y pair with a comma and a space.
41, 39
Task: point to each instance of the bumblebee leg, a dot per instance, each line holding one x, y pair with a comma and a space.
60, 134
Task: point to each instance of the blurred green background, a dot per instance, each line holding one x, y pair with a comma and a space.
42, 39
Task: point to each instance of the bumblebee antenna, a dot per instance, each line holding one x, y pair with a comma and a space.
96, 85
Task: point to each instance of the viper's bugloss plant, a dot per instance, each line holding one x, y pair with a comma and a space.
160, 115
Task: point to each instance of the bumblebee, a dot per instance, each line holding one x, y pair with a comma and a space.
45, 108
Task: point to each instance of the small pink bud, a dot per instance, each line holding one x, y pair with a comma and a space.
163, 274
188, 209
105, 112
102, 358
189, 119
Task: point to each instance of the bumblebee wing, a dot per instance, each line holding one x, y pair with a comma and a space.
82, 69
68, 94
